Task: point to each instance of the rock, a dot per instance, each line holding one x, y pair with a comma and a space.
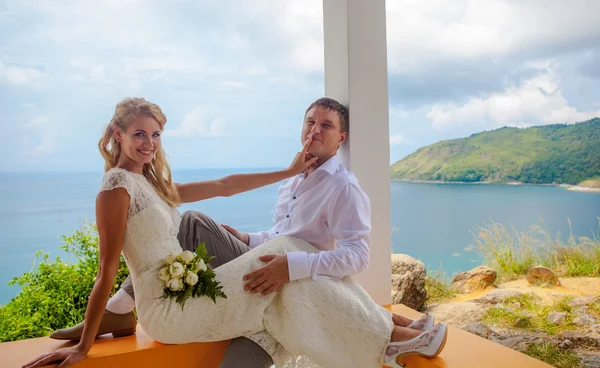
479, 329
557, 317
583, 320
497, 296
519, 342
458, 314
583, 300
540, 275
581, 340
408, 281
589, 360
478, 278
565, 344
595, 329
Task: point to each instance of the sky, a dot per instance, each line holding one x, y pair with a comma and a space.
234, 77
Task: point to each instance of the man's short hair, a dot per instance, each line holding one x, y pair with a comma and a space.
333, 105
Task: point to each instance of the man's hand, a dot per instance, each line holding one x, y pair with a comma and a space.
243, 237
267, 279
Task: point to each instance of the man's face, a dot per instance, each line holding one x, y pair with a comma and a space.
324, 125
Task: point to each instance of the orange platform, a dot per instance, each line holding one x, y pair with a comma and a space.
463, 350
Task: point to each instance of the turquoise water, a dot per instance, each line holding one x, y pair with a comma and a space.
431, 222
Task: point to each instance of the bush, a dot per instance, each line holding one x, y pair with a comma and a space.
55, 293
438, 288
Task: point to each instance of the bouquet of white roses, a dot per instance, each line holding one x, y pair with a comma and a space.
186, 275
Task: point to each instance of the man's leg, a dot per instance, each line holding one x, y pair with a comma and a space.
197, 227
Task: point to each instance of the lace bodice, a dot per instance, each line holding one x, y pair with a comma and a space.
152, 225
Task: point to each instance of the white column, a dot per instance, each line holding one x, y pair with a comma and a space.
356, 75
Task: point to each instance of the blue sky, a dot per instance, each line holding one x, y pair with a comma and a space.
234, 77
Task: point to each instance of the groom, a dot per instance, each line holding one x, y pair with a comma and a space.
324, 206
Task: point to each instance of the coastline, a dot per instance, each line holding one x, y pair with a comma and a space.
574, 188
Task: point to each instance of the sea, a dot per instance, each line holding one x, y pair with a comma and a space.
432, 222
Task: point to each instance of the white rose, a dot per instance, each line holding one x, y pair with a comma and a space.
187, 256
171, 257
200, 265
191, 279
175, 284
164, 275
176, 269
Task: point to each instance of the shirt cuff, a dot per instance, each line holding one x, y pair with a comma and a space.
256, 239
299, 267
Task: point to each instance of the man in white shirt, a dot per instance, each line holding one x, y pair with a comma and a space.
324, 206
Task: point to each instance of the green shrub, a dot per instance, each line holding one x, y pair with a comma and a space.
55, 293
438, 287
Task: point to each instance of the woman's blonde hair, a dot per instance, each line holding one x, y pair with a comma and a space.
158, 171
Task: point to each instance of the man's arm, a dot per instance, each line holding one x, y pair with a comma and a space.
349, 221
256, 239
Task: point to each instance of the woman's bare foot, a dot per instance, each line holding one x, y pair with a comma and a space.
400, 334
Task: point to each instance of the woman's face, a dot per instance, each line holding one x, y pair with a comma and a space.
141, 141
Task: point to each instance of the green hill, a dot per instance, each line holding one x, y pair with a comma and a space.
550, 154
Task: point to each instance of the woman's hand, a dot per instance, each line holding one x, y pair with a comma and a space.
68, 357
303, 160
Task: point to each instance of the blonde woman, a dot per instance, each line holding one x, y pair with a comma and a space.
332, 323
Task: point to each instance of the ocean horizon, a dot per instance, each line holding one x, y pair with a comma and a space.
432, 222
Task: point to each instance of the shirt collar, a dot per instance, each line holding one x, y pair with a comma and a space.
330, 165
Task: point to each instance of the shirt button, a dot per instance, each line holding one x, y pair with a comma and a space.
277, 232
294, 197
288, 216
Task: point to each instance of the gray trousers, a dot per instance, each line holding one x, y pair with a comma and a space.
197, 227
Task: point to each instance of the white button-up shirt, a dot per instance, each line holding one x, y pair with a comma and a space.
329, 210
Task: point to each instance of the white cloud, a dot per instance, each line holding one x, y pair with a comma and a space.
19, 75
196, 123
396, 139
424, 32
398, 113
37, 122
42, 127
535, 101
230, 86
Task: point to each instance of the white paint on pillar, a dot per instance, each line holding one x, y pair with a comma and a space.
356, 75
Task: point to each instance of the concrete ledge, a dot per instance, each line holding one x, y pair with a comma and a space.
138, 350
463, 350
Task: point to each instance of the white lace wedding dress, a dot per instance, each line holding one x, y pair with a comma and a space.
305, 323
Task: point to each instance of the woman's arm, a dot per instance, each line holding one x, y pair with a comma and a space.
111, 219
239, 183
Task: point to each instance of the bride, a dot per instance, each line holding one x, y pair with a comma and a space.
325, 322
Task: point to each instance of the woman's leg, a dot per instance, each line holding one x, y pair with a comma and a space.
400, 320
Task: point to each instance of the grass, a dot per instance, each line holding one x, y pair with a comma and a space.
438, 287
511, 252
550, 354
530, 315
594, 309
